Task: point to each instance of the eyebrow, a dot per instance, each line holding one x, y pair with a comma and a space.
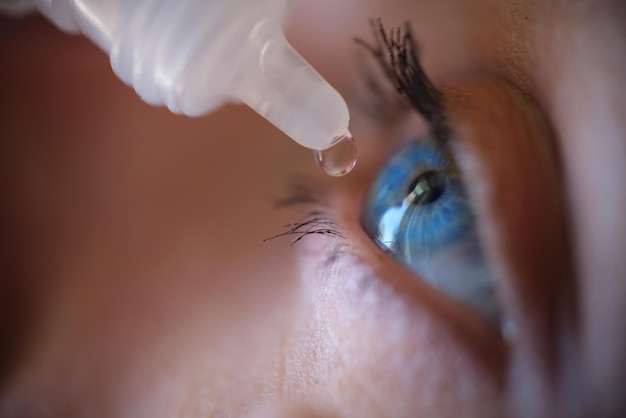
397, 54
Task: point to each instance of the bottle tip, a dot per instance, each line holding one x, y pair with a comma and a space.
340, 158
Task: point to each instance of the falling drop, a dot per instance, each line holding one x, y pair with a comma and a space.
339, 159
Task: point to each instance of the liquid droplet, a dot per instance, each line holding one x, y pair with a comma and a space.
339, 159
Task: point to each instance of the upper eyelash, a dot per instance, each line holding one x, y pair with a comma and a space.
397, 53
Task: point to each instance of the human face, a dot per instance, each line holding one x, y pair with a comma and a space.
138, 282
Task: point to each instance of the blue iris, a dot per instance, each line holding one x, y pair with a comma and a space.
417, 210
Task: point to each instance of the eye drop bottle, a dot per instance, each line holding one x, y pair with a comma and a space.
195, 55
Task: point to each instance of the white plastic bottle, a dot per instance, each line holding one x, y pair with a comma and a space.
194, 55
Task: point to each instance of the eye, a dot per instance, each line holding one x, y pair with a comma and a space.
417, 210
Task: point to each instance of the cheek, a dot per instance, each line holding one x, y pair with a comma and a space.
378, 340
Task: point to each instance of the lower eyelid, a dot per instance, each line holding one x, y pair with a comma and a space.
341, 206
356, 249
370, 303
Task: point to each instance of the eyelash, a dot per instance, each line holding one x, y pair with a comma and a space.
397, 54
317, 221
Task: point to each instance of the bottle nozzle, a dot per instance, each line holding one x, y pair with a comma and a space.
289, 93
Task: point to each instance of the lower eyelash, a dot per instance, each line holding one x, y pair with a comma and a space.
315, 223
301, 191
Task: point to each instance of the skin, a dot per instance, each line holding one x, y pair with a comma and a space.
135, 280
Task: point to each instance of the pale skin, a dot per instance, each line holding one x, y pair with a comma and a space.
135, 279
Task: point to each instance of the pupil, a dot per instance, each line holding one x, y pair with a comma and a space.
427, 187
